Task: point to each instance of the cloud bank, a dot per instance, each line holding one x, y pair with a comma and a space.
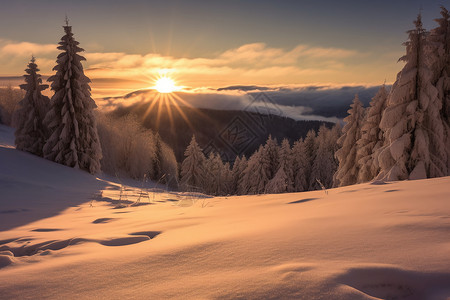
325, 103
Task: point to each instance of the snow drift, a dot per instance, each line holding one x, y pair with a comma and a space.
366, 241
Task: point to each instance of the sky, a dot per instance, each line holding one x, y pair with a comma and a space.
213, 44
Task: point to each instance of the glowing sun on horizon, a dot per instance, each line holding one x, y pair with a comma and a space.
165, 101
165, 85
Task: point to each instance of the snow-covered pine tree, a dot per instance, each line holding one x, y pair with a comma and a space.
408, 122
241, 188
283, 180
347, 172
73, 137
310, 147
210, 175
214, 177
335, 134
227, 179
271, 152
157, 162
28, 118
285, 159
239, 166
256, 175
193, 167
324, 165
235, 171
372, 138
300, 165
440, 39
278, 184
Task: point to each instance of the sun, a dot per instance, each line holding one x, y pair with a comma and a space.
165, 85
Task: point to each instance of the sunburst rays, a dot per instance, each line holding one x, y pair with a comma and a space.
169, 103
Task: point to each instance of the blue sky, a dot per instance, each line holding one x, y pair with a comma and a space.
203, 27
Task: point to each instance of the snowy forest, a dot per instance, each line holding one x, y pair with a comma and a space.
403, 134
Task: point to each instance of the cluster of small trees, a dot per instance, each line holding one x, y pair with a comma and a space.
133, 151
9, 98
404, 134
273, 168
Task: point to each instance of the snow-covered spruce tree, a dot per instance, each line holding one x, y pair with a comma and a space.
73, 137
271, 152
278, 184
411, 133
310, 147
235, 171
324, 165
440, 40
28, 118
256, 175
169, 165
214, 177
347, 172
299, 166
285, 159
335, 134
372, 138
157, 162
239, 166
283, 180
193, 167
227, 179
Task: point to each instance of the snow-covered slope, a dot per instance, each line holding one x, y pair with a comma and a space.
33, 188
367, 241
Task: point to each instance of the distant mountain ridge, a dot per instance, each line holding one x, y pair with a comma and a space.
227, 132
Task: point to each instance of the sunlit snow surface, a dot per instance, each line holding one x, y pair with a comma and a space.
64, 234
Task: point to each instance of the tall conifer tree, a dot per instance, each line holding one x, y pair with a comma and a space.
372, 138
440, 39
28, 118
347, 172
193, 167
408, 118
73, 137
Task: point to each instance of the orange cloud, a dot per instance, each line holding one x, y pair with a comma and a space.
255, 63
26, 48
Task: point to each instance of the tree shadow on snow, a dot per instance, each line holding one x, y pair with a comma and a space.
32, 188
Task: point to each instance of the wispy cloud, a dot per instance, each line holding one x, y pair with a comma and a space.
26, 48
